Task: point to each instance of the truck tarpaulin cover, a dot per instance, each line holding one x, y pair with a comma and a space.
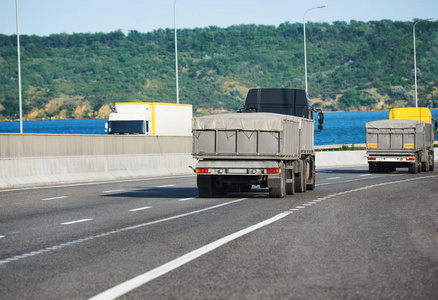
243, 121
394, 124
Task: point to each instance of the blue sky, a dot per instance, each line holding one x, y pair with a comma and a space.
45, 17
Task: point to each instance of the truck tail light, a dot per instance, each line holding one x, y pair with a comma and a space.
202, 170
410, 158
273, 171
371, 158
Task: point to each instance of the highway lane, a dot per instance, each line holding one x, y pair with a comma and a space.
358, 235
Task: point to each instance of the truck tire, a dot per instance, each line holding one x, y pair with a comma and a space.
431, 164
413, 168
279, 191
311, 179
372, 168
300, 179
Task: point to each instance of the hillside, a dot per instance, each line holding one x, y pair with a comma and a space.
351, 66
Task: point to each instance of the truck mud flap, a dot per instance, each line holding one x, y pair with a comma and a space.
206, 186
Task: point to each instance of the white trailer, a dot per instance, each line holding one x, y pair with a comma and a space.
150, 118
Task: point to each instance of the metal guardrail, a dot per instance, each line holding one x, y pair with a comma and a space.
336, 147
339, 147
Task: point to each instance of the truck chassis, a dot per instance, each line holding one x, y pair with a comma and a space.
281, 177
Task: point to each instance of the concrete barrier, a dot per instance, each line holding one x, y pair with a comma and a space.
27, 160
326, 159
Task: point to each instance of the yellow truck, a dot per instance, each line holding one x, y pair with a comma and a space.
404, 140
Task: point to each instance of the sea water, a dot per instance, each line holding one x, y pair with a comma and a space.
339, 127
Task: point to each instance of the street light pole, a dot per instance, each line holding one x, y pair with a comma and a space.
415, 59
176, 54
305, 51
19, 72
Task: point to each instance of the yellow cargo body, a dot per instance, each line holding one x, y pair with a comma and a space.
411, 113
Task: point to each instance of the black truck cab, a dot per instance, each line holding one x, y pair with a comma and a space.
293, 102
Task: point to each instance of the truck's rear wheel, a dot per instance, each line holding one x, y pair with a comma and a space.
311, 179
280, 190
413, 168
300, 179
431, 163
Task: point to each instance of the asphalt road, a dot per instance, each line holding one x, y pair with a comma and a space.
356, 236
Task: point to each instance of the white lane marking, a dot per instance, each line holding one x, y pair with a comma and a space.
300, 207
345, 181
54, 198
142, 279
2, 236
60, 246
307, 204
92, 183
113, 191
332, 178
167, 185
140, 208
77, 221
363, 175
186, 199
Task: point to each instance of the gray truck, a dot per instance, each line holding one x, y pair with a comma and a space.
399, 143
268, 143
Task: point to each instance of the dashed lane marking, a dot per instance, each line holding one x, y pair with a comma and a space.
186, 199
167, 185
140, 208
304, 205
112, 191
76, 221
54, 198
71, 243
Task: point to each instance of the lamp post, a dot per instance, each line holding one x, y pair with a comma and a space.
305, 52
176, 53
19, 72
415, 59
